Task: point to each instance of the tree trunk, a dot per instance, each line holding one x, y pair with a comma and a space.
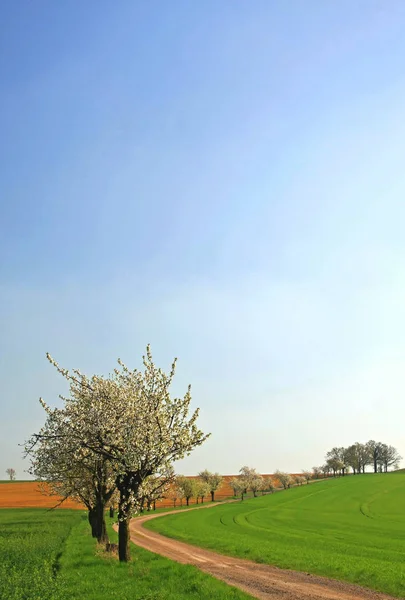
102, 535
123, 540
154, 505
97, 522
187, 501
254, 494
92, 521
127, 483
212, 495
111, 512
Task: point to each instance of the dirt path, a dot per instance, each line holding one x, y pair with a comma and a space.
261, 581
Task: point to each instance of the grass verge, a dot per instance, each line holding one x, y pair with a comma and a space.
31, 543
52, 556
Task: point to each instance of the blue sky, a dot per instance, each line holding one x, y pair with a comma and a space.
224, 180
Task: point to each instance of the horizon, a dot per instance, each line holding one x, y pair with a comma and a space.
226, 183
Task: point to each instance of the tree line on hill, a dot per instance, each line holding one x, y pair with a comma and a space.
381, 457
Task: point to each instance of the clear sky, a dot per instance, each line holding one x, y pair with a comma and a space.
224, 180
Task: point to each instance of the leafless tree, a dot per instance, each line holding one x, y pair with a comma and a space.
11, 473
389, 457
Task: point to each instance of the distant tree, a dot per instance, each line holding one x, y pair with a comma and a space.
353, 458
187, 486
202, 489
235, 485
363, 456
173, 494
247, 473
317, 472
256, 484
340, 467
214, 481
253, 479
11, 473
270, 486
239, 486
156, 488
284, 479
180, 493
307, 475
358, 457
335, 465
336, 458
389, 457
325, 469
267, 485
299, 479
375, 450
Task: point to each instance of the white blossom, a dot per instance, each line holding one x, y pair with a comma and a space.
129, 420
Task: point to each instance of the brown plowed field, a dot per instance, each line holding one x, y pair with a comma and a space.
28, 495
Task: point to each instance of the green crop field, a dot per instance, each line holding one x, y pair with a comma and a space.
51, 556
351, 528
31, 541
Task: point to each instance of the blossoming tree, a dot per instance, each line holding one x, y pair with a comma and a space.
67, 470
213, 480
253, 479
130, 420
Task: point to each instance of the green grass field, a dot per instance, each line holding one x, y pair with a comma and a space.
51, 556
31, 541
351, 528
